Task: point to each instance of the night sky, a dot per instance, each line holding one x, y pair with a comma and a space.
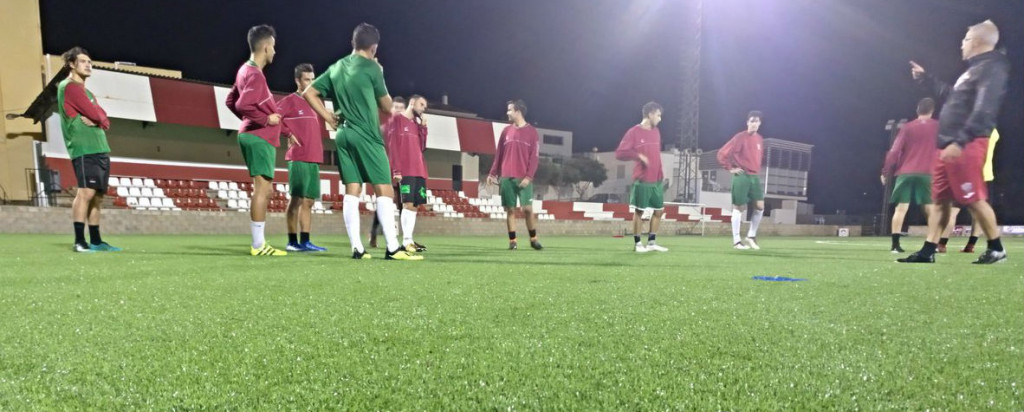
828, 73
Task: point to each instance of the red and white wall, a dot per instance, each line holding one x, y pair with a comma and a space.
164, 100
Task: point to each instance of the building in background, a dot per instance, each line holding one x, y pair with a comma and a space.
784, 174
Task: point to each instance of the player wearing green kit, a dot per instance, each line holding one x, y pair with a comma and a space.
355, 84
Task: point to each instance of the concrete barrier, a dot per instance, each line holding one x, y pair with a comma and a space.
57, 220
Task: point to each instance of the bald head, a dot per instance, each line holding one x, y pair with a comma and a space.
986, 32
980, 38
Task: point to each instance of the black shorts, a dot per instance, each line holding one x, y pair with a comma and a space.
92, 171
413, 189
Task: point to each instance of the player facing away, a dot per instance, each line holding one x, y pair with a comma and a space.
911, 160
397, 106
355, 83
84, 123
975, 228
515, 163
965, 124
742, 156
259, 135
303, 127
642, 144
405, 137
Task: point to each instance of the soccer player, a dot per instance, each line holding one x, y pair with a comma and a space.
975, 228
84, 123
965, 124
911, 160
515, 162
303, 128
259, 135
642, 144
397, 106
405, 137
356, 85
742, 156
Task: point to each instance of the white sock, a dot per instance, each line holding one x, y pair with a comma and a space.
737, 221
755, 222
257, 234
386, 214
350, 211
408, 225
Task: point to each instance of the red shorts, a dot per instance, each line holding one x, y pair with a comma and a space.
961, 180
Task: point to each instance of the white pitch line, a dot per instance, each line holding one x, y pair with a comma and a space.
839, 243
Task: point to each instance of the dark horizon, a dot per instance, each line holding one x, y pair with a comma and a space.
827, 74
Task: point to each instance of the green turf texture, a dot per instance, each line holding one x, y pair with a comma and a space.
180, 323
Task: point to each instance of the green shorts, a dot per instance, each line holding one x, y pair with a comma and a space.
511, 192
361, 159
912, 188
304, 179
647, 195
746, 188
259, 155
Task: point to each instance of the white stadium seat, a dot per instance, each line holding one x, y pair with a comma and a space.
133, 201
134, 191
213, 185
232, 194
223, 186
222, 194
233, 185
148, 183
147, 192
158, 192
144, 202
122, 191
136, 182
113, 181
168, 202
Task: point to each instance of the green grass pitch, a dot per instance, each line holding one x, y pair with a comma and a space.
180, 323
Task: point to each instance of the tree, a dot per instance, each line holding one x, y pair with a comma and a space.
585, 173
574, 174
548, 173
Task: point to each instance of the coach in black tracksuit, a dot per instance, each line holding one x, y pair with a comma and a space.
965, 123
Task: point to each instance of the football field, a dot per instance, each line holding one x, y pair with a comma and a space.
194, 323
